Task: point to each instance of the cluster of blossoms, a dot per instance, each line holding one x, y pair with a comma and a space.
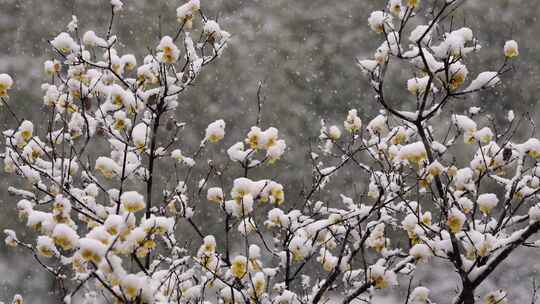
101, 228
257, 140
244, 194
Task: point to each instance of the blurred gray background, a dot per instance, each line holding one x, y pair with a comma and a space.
303, 50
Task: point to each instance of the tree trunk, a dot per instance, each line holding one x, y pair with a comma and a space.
468, 295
